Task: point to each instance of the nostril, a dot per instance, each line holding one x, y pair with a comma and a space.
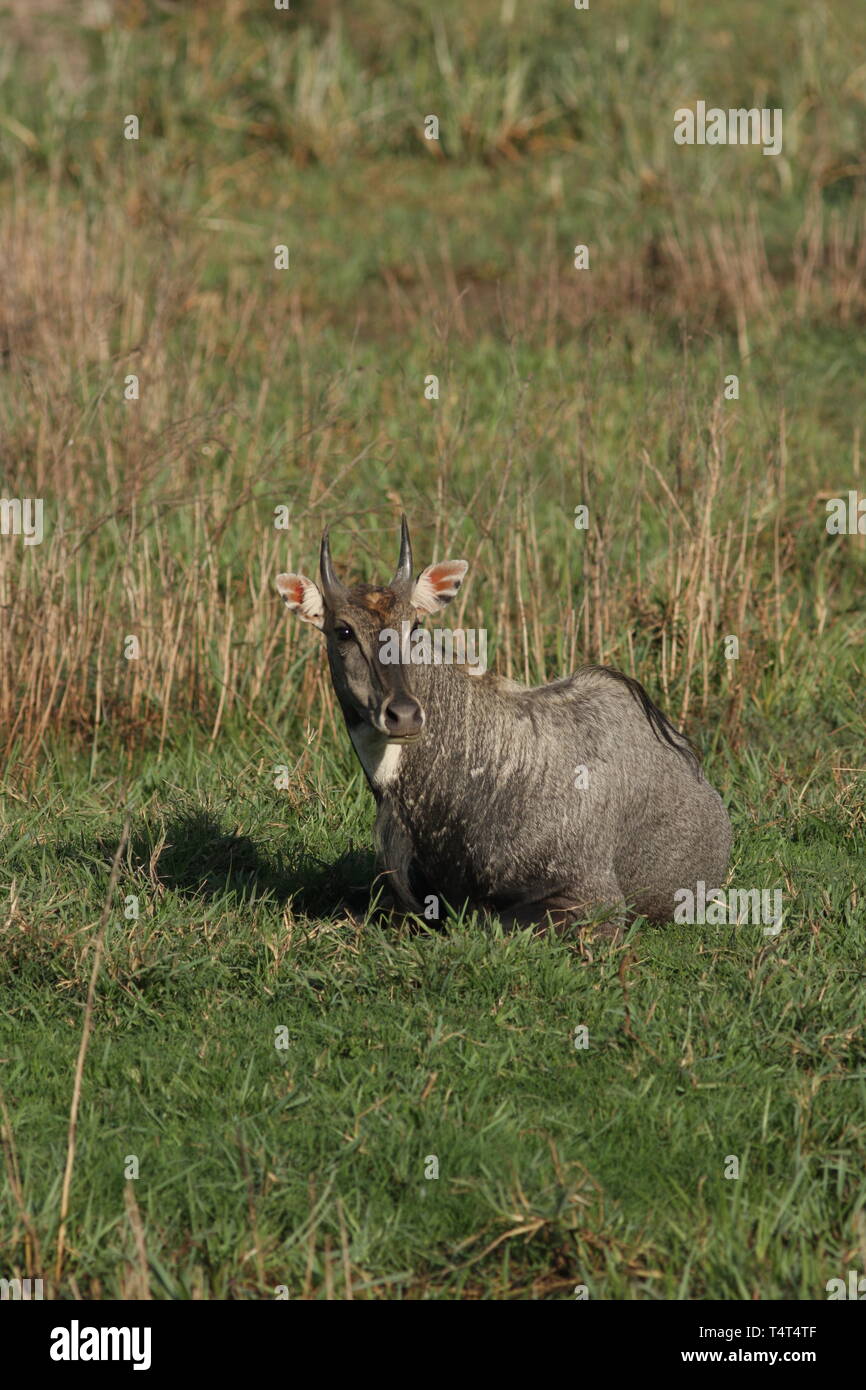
403, 715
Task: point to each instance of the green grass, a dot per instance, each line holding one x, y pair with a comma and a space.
602, 1166
304, 1167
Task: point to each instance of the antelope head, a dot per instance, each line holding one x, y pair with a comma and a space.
358, 624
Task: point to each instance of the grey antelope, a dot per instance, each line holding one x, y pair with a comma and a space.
552, 804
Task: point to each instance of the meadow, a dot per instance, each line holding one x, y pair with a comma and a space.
223, 1071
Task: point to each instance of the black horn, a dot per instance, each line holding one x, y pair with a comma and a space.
403, 573
332, 589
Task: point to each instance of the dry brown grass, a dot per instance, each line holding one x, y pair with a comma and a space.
159, 511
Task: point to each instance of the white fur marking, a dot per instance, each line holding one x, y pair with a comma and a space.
379, 758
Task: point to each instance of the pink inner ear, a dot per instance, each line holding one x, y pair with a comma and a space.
293, 590
445, 575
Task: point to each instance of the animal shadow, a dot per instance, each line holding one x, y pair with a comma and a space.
192, 855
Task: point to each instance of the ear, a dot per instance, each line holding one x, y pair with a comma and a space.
438, 585
301, 595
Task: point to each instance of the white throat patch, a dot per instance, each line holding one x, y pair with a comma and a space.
380, 759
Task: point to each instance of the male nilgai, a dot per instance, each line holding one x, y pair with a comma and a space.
561, 802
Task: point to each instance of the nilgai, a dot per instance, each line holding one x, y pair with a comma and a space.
567, 802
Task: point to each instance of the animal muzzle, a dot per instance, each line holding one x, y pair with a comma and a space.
401, 716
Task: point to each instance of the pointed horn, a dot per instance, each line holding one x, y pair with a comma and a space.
403, 574
332, 589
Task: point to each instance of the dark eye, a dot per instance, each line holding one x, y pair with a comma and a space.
343, 633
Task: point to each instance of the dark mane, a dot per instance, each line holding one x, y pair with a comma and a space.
664, 730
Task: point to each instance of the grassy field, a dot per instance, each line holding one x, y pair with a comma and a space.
260, 1066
